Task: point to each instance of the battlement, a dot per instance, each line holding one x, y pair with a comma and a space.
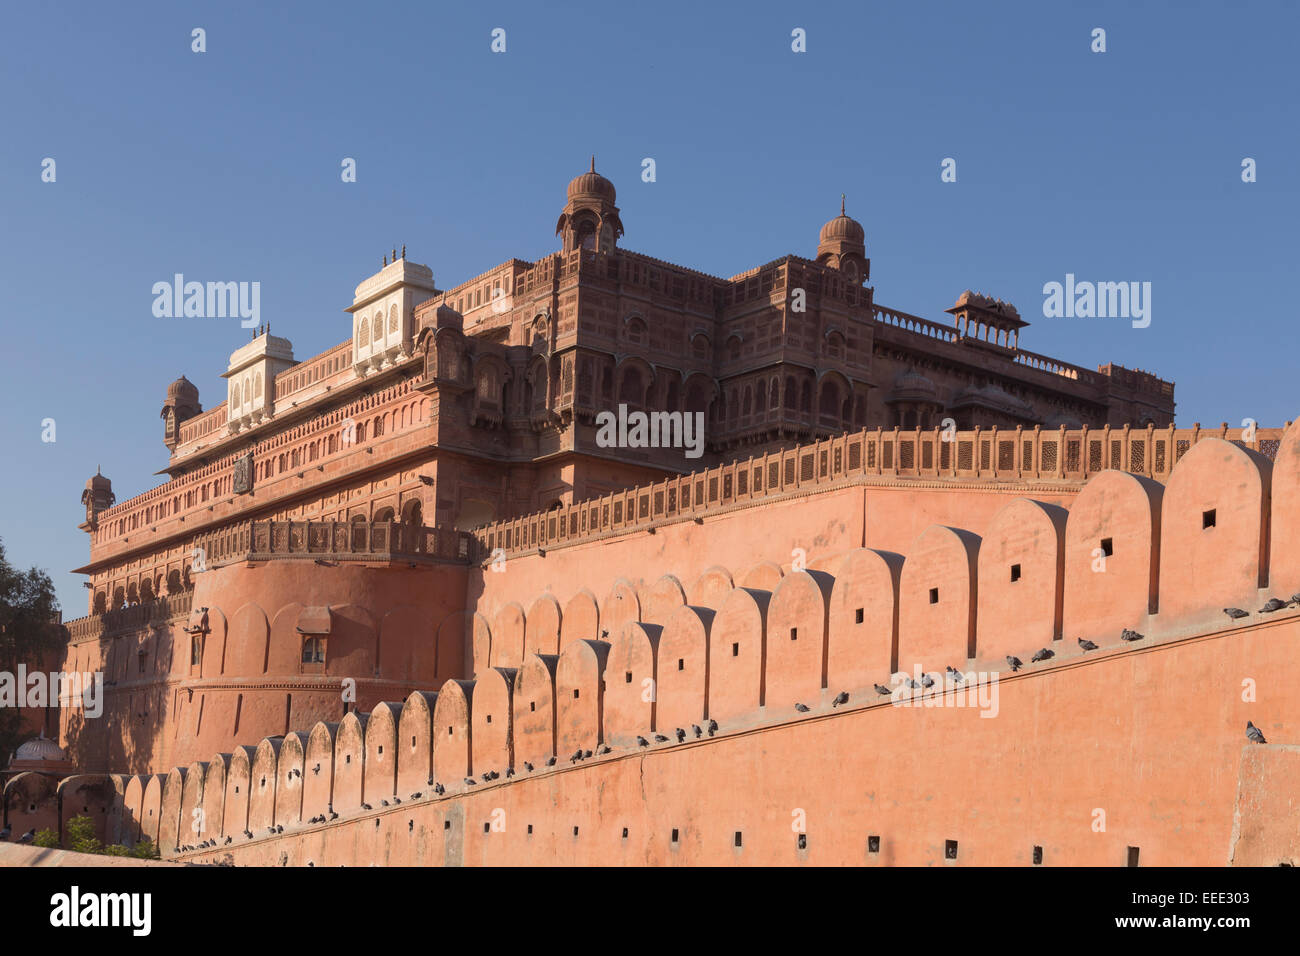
664, 695
869, 456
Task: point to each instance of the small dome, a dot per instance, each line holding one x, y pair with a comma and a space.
591, 185
98, 481
843, 227
39, 748
912, 385
182, 388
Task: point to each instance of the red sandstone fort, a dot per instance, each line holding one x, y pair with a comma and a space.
396, 603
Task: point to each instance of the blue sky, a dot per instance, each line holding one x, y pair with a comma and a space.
225, 165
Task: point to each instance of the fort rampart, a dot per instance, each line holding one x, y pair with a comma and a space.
727, 712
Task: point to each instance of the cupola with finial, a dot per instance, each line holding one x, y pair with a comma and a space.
590, 218
842, 245
182, 403
97, 497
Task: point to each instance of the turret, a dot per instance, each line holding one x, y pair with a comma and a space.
97, 497
182, 403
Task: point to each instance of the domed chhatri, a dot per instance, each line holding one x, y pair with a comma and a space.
590, 219
183, 388
591, 184
181, 404
842, 244
843, 227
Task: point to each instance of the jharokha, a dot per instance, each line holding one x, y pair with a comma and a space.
396, 603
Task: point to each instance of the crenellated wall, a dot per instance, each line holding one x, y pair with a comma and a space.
759, 679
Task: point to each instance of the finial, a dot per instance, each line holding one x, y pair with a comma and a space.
403, 250
394, 253
385, 260
841, 204
593, 162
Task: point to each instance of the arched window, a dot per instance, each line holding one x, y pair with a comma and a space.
196, 649
413, 513
631, 390
384, 514
790, 392
829, 405
363, 334
636, 331
313, 650
806, 403
392, 318
248, 392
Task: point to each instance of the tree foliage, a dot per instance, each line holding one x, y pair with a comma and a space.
28, 634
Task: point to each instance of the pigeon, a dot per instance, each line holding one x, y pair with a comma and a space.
1127, 635
841, 698
384, 802
417, 795
397, 800
1042, 654
249, 834
279, 829
4, 834
695, 729
577, 755
469, 782
429, 782
1253, 733
713, 726
680, 734
28, 836
1295, 598
1271, 605
1236, 613
911, 683
1014, 663
439, 789
882, 690
229, 839
642, 742
802, 708
661, 738
606, 749
1087, 645
927, 681
366, 806
510, 772
550, 761
956, 675
272, 829
333, 815
528, 766
586, 755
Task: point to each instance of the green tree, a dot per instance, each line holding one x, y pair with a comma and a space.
145, 850
80, 835
28, 635
47, 839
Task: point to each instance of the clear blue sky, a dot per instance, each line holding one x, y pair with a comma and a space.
225, 166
